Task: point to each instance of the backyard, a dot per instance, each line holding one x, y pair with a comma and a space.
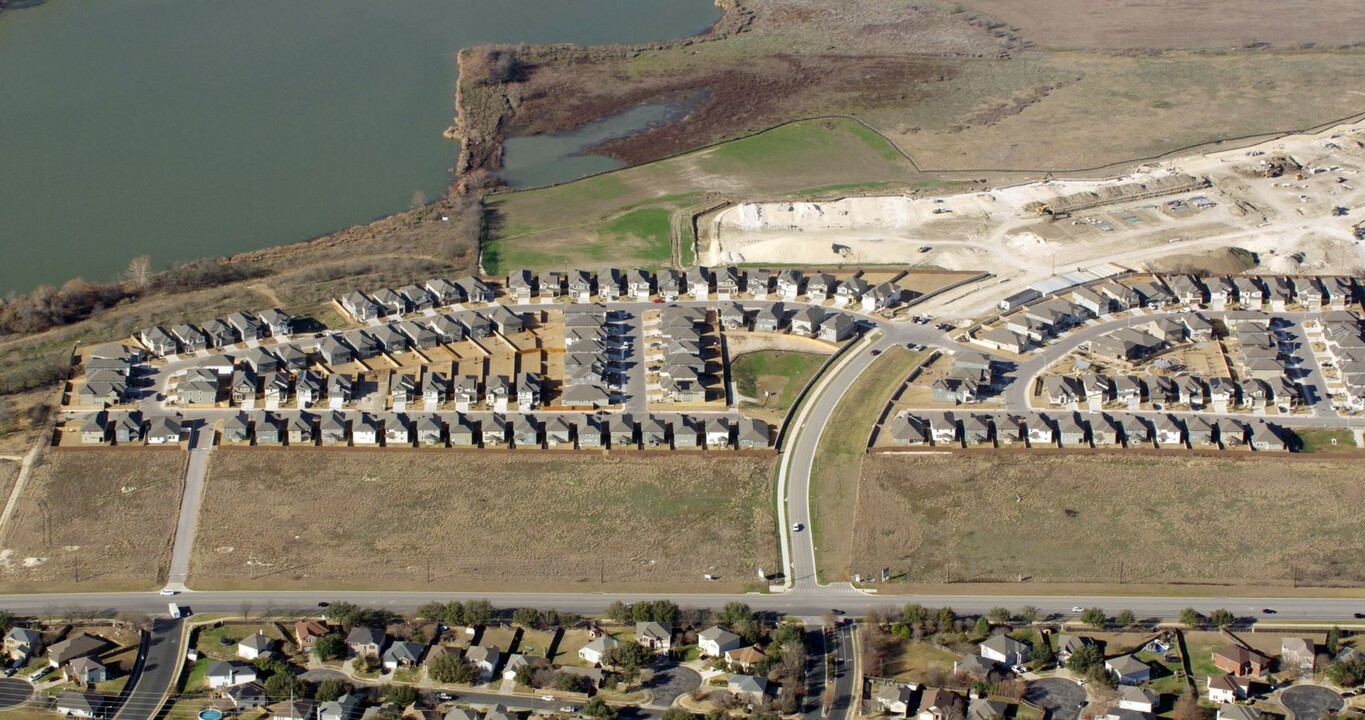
772, 379
1106, 519
442, 519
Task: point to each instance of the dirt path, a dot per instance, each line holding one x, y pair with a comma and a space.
25, 468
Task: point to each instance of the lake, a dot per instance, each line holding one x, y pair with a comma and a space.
191, 128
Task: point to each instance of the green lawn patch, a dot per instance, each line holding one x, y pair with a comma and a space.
1327, 440
781, 374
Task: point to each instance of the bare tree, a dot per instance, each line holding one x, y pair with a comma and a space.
139, 272
246, 609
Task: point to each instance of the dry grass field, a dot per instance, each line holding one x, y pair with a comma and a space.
1133, 24
442, 519
103, 518
1109, 519
840, 455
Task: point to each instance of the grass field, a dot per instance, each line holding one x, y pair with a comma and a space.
1107, 519
840, 456
1335, 441
908, 660
622, 218
392, 520
779, 373
101, 519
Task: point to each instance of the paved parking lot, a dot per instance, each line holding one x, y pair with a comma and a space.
1310, 702
1062, 699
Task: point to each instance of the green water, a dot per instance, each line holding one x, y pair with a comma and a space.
192, 128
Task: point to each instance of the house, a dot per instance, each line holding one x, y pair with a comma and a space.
340, 387
434, 390
497, 392
850, 290
729, 283
1129, 669
61, 653
247, 696
1138, 698
749, 688
759, 283
525, 431
520, 285
248, 326
654, 636
22, 643
346, 707
1067, 645
1060, 390
807, 320
365, 430
733, 316
495, 431
943, 429
717, 432
1199, 431
1230, 711
621, 429
505, 321
447, 328
301, 430
788, 285
85, 671
464, 391
581, 286
429, 428
255, 645
769, 318
191, 339
397, 430
941, 705
1120, 713
229, 674
744, 658
1227, 688
836, 328
158, 341
307, 632
1267, 438
93, 429
754, 434
474, 290
1298, 653
332, 428
907, 429
880, 297
976, 429
269, 429
360, 306
528, 391
280, 323
715, 641
80, 704
128, 429
403, 655
485, 659
366, 641
610, 284
101, 393
550, 285
639, 284
1004, 649
1240, 661
592, 433
698, 281
894, 699
1168, 431
1001, 338
443, 291
419, 335
292, 710
334, 352
363, 344
390, 340
1091, 301
596, 649
654, 433
464, 432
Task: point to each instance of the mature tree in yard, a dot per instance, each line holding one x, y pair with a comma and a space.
454, 613
735, 613
946, 618
617, 611
628, 658
983, 626
1188, 708
525, 675
914, 613
329, 647
1334, 641
597, 708
285, 685
999, 616
478, 612
1125, 619
1222, 618
450, 668
1042, 655
1189, 617
332, 689
1095, 617
400, 695
1349, 672
433, 611
1029, 614
1085, 658
568, 682
529, 618
139, 272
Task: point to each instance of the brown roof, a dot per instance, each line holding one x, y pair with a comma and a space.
744, 656
1239, 655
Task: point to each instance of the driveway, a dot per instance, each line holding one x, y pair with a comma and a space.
1061, 699
14, 691
320, 674
670, 682
1310, 702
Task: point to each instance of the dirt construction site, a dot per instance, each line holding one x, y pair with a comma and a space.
1292, 205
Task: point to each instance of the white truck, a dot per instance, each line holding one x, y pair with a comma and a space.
175, 611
